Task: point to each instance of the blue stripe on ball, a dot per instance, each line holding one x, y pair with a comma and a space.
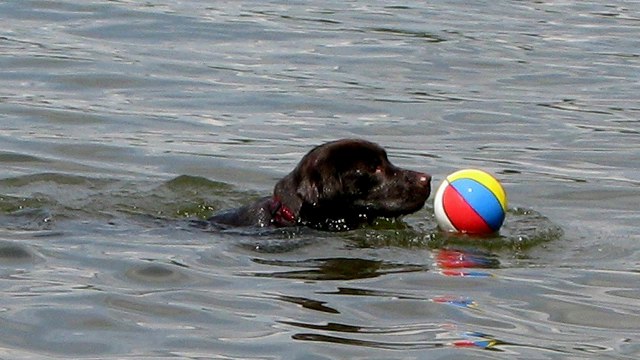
482, 200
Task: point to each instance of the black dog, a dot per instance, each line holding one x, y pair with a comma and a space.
339, 185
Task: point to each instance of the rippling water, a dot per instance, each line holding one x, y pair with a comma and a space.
121, 120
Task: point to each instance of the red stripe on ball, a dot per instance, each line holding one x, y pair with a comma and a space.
462, 216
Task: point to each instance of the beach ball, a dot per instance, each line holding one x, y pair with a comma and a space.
470, 201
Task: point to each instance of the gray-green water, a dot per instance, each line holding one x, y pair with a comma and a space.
119, 120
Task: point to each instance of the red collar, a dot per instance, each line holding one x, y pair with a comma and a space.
281, 215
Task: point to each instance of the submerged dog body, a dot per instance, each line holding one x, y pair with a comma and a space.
339, 185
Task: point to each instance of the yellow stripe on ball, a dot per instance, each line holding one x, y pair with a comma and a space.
486, 180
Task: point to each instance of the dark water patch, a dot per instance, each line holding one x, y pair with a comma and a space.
614, 129
139, 305
276, 241
41, 200
445, 339
7, 157
156, 274
195, 184
390, 232
13, 254
423, 96
25, 214
409, 33
574, 105
480, 119
57, 179
185, 196
353, 291
91, 80
425, 329
443, 342
68, 196
25, 56
194, 28
14, 204
310, 304
298, 18
335, 268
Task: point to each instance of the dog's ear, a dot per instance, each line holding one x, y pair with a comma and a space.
318, 178
308, 190
293, 190
308, 184
327, 183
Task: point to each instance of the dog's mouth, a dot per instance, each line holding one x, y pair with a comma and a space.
391, 209
393, 200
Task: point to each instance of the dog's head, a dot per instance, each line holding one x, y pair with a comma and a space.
350, 181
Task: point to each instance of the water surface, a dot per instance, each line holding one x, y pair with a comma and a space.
122, 120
